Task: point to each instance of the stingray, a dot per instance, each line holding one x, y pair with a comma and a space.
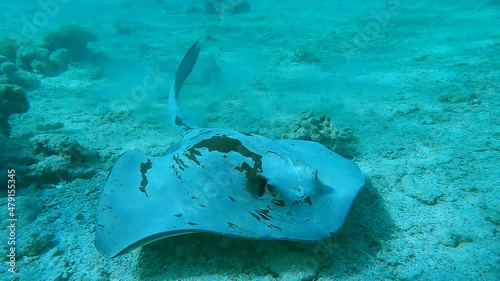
226, 182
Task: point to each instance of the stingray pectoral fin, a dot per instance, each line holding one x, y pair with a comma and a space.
343, 180
137, 198
340, 179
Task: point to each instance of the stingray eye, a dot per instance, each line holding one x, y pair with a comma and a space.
258, 187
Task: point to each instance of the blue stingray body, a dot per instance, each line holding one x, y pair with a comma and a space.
227, 182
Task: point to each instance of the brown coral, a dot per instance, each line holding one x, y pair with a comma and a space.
322, 130
13, 100
72, 37
8, 49
61, 158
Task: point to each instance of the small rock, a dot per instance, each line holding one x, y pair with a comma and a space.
3, 59
49, 126
420, 58
24, 79
8, 49
13, 100
26, 55
50, 169
322, 130
8, 68
40, 67
61, 158
5, 80
72, 37
37, 244
60, 59
305, 57
62, 145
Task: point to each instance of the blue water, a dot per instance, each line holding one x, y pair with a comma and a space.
411, 87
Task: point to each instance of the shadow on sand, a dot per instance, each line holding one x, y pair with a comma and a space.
346, 252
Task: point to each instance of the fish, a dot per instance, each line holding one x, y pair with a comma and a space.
224, 181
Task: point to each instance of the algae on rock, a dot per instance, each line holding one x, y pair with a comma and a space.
13, 100
61, 158
322, 130
72, 37
8, 49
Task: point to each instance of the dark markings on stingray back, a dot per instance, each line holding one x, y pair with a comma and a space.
275, 153
192, 155
178, 215
202, 206
144, 167
179, 121
299, 201
254, 215
225, 144
264, 213
231, 198
176, 172
179, 162
308, 200
232, 225
274, 226
192, 223
278, 202
248, 171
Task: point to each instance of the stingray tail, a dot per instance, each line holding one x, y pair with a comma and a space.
183, 69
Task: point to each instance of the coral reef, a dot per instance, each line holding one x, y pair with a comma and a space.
12, 75
19, 64
47, 159
13, 100
322, 130
305, 56
42, 61
27, 55
61, 158
72, 37
8, 49
59, 48
8, 68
